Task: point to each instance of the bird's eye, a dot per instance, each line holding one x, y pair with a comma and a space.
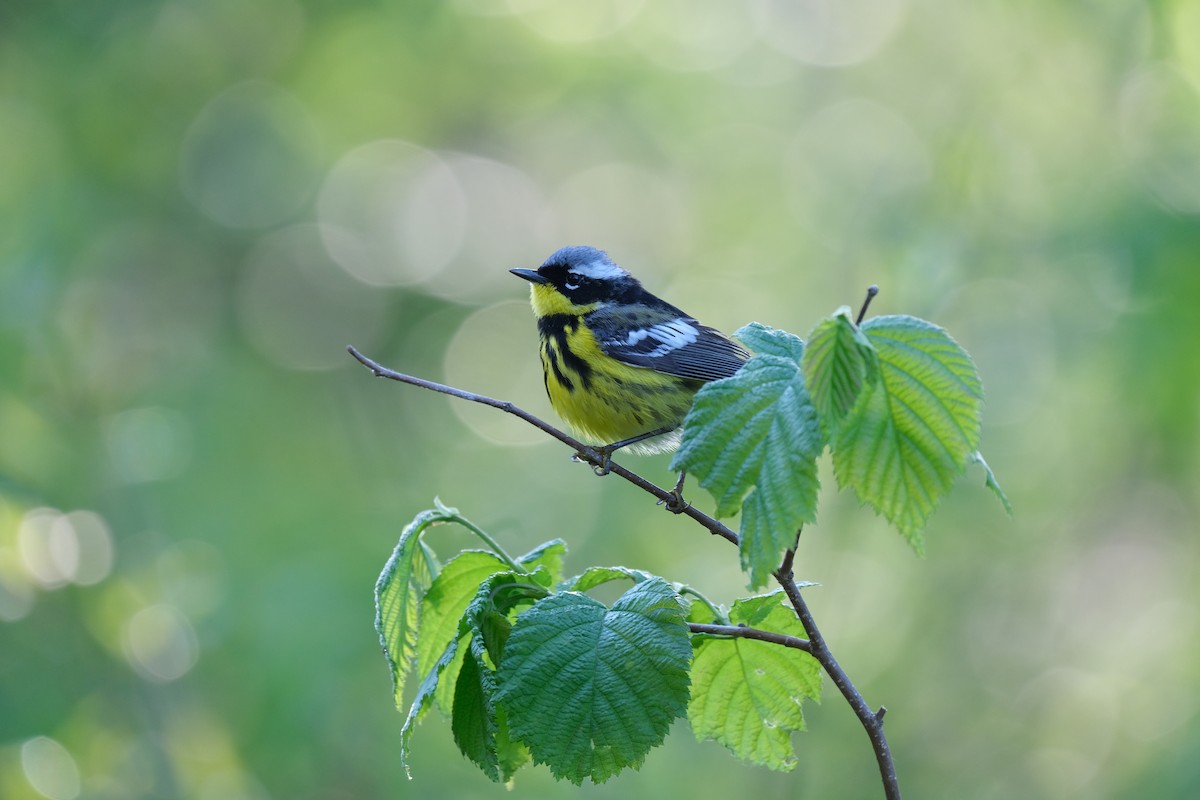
573, 280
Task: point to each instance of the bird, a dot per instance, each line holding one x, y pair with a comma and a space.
620, 365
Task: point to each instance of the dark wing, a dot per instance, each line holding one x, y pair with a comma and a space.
672, 343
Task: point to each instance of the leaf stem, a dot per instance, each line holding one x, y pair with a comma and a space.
490, 542
716, 612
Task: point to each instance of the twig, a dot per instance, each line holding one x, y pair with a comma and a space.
872, 290
585, 453
742, 632
872, 721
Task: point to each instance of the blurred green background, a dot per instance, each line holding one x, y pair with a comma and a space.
203, 201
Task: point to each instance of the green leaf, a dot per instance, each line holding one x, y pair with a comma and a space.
480, 728
470, 726
398, 594
590, 690
705, 614
990, 482
498, 593
769, 341
493, 629
444, 605
595, 576
914, 431
755, 611
479, 725
425, 694
549, 556
839, 364
511, 753
747, 694
443, 696
757, 432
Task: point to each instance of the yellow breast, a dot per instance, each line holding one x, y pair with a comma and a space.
605, 400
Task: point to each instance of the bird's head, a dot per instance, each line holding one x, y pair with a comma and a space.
576, 280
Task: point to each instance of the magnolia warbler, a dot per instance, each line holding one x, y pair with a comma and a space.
621, 366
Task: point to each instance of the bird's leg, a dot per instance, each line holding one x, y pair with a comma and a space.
675, 503
607, 450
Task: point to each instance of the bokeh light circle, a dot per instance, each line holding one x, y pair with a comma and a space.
502, 214
50, 768
151, 443
575, 21
691, 36
48, 548
610, 205
829, 33
394, 213
160, 643
298, 309
249, 158
494, 351
94, 544
143, 310
1160, 131
853, 163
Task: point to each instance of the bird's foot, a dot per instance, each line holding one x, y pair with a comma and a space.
675, 502
600, 459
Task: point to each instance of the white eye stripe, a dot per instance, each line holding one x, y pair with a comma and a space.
600, 270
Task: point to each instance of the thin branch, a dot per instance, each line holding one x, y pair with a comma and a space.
584, 452
872, 290
742, 632
871, 721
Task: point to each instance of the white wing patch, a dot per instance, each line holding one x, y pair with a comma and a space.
672, 336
